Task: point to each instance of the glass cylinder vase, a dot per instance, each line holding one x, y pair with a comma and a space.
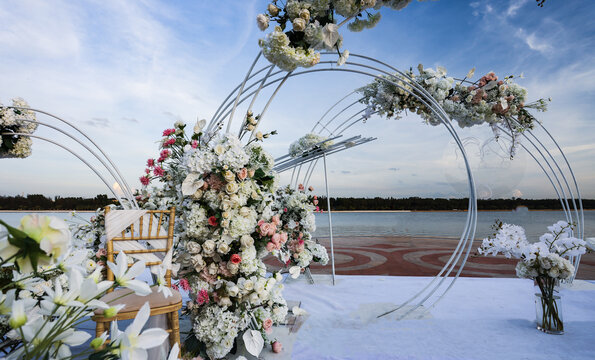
548, 307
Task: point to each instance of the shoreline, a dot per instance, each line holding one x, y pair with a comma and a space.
332, 211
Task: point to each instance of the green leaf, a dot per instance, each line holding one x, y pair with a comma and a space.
16, 233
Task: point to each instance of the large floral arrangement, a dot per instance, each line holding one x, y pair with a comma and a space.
544, 261
308, 142
297, 215
14, 121
42, 314
488, 100
224, 192
314, 27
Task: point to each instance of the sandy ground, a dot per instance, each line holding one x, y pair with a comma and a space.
417, 256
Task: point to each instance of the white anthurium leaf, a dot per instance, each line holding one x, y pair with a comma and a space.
590, 242
295, 271
492, 84
191, 183
253, 341
166, 263
298, 311
200, 124
174, 353
330, 35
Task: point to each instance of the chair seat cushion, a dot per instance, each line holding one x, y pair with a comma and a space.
133, 302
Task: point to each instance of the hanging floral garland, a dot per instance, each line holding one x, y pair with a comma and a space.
14, 120
307, 143
490, 100
314, 27
297, 209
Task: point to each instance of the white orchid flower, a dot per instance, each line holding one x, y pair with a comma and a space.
162, 283
6, 301
96, 275
125, 276
160, 272
18, 316
69, 337
192, 183
174, 353
56, 298
133, 345
72, 259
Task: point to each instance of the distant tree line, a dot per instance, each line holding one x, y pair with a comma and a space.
428, 204
41, 202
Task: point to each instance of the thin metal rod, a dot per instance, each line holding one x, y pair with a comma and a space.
330, 218
132, 199
75, 154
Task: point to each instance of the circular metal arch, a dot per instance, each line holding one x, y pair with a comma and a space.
254, 83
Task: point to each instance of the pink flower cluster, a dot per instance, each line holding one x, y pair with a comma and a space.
277, 239
202, 297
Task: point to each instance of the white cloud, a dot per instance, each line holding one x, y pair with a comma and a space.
533, 41
514, 6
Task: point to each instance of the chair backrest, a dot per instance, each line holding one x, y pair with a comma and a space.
150, 228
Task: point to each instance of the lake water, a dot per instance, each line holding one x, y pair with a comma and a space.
433, 224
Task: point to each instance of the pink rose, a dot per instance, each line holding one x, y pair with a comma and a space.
270, 246
101, 252
276, 239
194, 144
272, 230
301, 187
277, 347
276, 219
267, 326
242, 174
310, 188
283, 238
265, 228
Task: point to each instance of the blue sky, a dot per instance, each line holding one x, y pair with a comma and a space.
124, 71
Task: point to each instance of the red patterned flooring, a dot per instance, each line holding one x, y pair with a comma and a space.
417, 256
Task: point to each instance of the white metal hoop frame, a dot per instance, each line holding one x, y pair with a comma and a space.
252, 86
88, 156
551, 160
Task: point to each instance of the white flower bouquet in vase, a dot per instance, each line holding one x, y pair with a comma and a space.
544, 261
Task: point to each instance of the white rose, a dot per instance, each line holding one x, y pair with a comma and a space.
245, 212
223, 248
193, 247
246, 241
213, 269
208, 246
254, 298
224, 301
231, 188
278, 276
299, 24
233, 268
197, 262
229, 176
249, 285
233, 290
219, 149
262, 21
